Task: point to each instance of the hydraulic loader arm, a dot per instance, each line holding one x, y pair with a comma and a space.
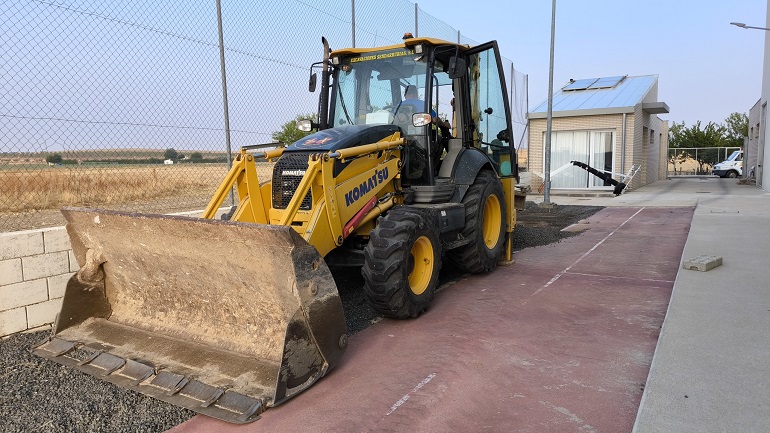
243, 174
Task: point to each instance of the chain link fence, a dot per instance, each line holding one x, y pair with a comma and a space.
696, 160
120, 104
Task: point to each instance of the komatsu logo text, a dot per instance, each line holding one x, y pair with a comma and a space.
366, 186
293, 172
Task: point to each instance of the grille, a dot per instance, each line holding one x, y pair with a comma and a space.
294, 166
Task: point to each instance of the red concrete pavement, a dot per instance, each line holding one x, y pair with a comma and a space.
560, 341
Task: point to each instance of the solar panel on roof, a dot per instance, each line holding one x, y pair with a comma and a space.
579, 84
606, 82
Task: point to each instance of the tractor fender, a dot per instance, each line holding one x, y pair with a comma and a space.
466, 165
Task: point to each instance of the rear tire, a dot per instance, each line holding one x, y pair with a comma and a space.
484, 225
401, 264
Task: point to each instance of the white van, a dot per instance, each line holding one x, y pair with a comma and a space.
731, 167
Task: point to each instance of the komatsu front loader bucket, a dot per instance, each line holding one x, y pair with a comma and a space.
223, 318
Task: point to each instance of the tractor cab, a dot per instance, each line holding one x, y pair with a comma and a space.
446, 99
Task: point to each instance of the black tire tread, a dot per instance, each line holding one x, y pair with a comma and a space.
474, 257
386, 260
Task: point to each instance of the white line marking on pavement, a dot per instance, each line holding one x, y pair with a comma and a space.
406, 397
559, 275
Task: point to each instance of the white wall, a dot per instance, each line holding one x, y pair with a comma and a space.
765, 97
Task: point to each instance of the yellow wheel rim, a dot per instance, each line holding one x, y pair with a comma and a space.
422, 271
492, 220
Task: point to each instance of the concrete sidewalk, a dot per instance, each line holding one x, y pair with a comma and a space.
711, 370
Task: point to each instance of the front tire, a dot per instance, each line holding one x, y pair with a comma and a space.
732, 174
401, 264
484, 225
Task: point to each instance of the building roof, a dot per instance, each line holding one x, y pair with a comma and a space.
607, 95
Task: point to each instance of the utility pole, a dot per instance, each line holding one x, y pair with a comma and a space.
549, 115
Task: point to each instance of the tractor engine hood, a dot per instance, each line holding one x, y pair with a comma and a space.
342, 137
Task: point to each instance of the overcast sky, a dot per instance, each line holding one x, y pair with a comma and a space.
707, 68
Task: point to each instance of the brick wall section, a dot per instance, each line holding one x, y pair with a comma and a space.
35, 266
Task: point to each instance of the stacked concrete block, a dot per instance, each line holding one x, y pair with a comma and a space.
34, 268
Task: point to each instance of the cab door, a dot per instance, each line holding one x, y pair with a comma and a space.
488, 115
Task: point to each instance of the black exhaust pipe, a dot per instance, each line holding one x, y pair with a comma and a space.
323, 101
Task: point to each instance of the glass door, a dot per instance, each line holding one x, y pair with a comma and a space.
489, 110
601, 154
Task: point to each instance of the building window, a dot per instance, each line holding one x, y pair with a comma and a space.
594, 148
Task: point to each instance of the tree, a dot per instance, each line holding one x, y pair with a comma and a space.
737, 129
675, 155
196, 157
171, 154
688, 139
54, 158
289, 132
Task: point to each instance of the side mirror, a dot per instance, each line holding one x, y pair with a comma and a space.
313, 79
457, 67
504, 136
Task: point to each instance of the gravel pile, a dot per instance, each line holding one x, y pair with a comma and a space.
37, 395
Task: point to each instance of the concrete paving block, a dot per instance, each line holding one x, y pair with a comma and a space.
56, 239
24, 293
58, 284
20, 244
575, 228
703, 263
10, 272
13, 321
45, 265
43, 313
74, 267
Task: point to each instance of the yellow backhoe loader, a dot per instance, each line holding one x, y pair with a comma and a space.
231, 316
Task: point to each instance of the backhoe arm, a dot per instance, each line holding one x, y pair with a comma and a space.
243, 174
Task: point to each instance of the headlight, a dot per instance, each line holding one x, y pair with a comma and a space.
421, 119
304, 125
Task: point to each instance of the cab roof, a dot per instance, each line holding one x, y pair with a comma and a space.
343, 52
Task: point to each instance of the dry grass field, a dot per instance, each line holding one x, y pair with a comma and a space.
36, 188
31, 195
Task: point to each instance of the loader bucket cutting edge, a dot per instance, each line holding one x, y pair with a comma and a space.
223, 318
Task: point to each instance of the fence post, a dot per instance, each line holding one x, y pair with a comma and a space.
224, 92
353, 21
416, 22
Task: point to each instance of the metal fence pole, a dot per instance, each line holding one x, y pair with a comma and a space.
548, 128
224, 92
526, 127
224, 81
353, 21
416, 22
